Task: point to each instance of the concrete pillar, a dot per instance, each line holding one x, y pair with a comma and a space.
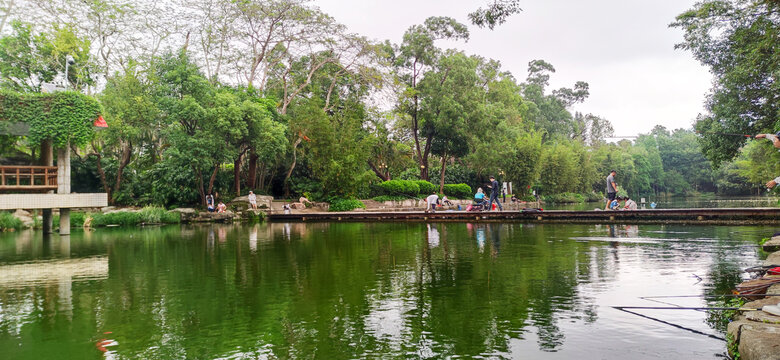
48, 221
64, 221
63, 170
47, 159
63, 185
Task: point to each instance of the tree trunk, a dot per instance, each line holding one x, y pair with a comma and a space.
202, 193
292, 167
212, 179
252, 169
383, 176
126, 155
102, 174
262, 176
237, 174
443, 167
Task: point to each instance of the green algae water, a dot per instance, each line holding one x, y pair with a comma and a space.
368, 290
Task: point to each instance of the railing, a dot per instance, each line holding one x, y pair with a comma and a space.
28, 178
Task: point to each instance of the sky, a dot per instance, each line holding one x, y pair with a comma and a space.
624, 49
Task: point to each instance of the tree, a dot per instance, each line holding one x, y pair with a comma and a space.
414, 57
739, 40
495, 13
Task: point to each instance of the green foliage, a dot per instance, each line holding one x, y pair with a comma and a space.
426, 188
340, 204
495, 13
158, 215
737, 40
458, 191
147, 215
66, 117
9, 222
408, 188
565, 198
77, 219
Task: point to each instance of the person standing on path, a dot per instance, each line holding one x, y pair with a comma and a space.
775, 139
611, 188
494, 191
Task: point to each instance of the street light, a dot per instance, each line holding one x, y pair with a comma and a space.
69, 60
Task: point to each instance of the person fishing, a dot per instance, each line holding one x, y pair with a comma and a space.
494, 191
775, 139
611, 188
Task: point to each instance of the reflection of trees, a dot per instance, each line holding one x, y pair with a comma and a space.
338, 290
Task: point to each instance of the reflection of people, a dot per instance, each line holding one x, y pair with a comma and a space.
775, 139
221, 207
481, 237
611, 188
433, 236
495, 237
252, 200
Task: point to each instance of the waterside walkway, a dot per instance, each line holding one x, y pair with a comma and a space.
740, 216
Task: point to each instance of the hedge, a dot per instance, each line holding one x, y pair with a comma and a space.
458, 191
426, 188
339, 204
409, 188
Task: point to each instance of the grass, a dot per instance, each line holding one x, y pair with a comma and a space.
8, 222
147, 215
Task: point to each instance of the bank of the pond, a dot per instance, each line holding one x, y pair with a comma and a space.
755, 335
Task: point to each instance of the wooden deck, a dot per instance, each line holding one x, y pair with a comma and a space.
28, 178
739, 216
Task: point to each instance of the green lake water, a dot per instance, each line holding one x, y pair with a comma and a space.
368, 290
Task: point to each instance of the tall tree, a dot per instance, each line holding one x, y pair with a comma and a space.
416, 55
739, 40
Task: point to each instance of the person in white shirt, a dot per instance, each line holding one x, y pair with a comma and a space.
252, 200
432, 200
630, 204
775, 139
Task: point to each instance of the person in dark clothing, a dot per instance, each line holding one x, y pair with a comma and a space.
494, 191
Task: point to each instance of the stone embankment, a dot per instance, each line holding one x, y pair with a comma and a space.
756, 334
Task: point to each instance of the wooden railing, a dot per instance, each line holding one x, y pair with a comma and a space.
28, 178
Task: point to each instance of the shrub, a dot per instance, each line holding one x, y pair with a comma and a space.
9, 222
400, 187
457, 191
151, 215
426, 188
339, 204
528, 198
170, 217
77, 219
594, 197
565, 198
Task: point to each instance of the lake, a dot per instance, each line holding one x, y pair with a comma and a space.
368, 290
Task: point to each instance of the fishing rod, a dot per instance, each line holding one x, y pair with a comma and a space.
671, 324
703, 296
724, 134
771, 309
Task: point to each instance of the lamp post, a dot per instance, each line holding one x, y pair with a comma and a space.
69, 60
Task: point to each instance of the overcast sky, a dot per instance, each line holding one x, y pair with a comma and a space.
623, 48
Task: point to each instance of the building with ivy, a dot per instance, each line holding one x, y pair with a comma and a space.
54, 123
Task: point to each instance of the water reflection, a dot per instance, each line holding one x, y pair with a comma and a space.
351, 290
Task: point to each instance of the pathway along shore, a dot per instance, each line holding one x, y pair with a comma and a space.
738, 216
